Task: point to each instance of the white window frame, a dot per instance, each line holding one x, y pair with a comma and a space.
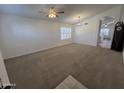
65, 33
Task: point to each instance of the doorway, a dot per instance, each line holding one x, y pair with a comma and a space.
106, 32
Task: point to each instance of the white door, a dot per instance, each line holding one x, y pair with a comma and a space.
3, 72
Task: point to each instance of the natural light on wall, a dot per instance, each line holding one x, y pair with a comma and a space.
65, 33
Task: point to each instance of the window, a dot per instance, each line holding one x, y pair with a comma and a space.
104, 31
65, 33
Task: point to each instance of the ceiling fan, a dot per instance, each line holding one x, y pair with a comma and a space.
52, 13
80, 23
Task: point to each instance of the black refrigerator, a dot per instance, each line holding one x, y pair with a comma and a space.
118, 38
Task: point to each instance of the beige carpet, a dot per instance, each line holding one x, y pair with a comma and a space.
93, 67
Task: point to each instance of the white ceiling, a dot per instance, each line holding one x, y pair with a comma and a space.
107, 19
72, 11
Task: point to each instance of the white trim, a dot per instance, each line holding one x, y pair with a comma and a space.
3, 73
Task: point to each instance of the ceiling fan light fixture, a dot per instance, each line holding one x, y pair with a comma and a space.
79, 21
52, 13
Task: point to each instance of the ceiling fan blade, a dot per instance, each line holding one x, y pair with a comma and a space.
43, 12
60, 12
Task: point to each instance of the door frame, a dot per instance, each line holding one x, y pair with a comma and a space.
99, 28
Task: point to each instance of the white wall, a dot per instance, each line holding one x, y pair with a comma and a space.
88, 34
19, 35
3, 73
